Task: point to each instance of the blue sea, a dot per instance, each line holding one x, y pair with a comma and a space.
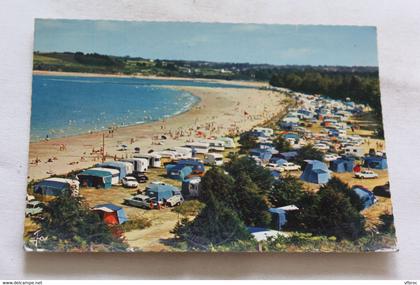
70, 105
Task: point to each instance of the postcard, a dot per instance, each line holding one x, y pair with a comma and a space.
210, 137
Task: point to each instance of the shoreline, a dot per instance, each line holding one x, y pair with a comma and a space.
197, 103
219, 112
256, 84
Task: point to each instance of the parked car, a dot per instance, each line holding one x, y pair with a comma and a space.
140, 177
175, 200
130, 182
366, 174
289, 166
274, 166
331, 157
321, 147
141, 201
34, 208
382, 190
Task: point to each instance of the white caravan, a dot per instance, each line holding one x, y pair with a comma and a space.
139, 164
153, 158
356, 151
228, 142
199, 147
215, 145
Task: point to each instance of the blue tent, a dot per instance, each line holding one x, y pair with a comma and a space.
184, 167
268, 147
375, 162
111, 214
367, 197
333, 133
316, 172
95, 178
275, 174
279, 216
161, 191
261, 153
51, 188
277, 160
342, 165
118, 165
178, 171
289, 155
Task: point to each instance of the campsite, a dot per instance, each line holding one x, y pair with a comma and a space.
215, 151
101, 184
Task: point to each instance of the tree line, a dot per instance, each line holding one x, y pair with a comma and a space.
360, 87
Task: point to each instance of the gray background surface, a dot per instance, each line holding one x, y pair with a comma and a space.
398, 25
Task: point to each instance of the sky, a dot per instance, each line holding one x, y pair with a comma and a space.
252, 43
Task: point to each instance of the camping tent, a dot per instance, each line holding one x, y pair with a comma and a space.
178, 171
52, 187
367, 197
95, 178
375, 162
342, 165
111, 214
279, 216
277, 160
161, 191
262, 154
289, 155
191, 187
316, 172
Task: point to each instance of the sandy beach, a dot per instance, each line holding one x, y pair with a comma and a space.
120, 75
220, 111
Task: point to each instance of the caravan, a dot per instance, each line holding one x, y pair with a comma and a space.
181, 152
228, 142
215, 145
199, 147
153, 158
139, 164
356, 151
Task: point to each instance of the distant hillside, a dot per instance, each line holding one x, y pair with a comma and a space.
96, 63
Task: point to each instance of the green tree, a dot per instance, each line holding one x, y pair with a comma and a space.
247, 141
259, 175
216, 224
340, 187
336, 215
69, 224
288, 191
281, 144
307, 152
251, 205
219, 185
